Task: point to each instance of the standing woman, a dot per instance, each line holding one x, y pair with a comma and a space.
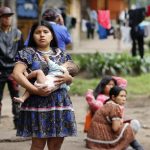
44, 116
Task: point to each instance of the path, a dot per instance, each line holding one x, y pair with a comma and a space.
138, 108
100, 45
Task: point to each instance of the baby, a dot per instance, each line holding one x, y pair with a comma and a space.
48, 80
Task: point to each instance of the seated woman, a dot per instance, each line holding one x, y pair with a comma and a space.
107, 130
96, 98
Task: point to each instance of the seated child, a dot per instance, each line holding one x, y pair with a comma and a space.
49, 80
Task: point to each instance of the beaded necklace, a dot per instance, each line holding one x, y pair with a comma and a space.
49, 53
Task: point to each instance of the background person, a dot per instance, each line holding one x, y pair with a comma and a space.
55, 19
136, 16
107, 130
10, 42
96, 98
63, 36
46, 117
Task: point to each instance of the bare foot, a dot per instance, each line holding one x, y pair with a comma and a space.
18, 99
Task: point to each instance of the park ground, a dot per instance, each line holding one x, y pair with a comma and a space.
138, 107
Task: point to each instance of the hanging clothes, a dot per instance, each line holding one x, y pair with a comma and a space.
125, 32
136, 16
148, 11
104, 18
145, 25
102, 32
83, 25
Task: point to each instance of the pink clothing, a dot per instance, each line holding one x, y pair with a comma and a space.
101, 136
95, 104
104, 18
121, 82
101, 98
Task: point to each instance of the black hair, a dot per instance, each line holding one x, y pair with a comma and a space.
53, 43
50, 14
72, 68
102, 84
114, 91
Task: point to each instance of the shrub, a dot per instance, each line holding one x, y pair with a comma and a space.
99, 64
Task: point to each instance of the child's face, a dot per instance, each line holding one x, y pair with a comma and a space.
121, 98
108, 87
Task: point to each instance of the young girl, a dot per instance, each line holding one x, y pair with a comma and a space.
107, 130
96, 98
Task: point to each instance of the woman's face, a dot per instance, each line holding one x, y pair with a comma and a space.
42, 36
108, 87
121, 98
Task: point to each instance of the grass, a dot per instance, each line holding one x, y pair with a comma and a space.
137, 85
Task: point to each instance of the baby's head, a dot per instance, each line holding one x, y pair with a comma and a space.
72, 68
118, 95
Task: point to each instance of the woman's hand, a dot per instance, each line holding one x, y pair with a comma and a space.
117, 125
44, 91
60, 20
65, 78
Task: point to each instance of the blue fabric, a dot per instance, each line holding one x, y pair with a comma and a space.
49, 116
62, 35
102, 32
27, 9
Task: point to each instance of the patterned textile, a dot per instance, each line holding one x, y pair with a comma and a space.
101, 135
50, 116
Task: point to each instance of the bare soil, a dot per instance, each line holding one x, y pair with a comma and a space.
138, 107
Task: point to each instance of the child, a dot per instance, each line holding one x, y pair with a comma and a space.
107, 130
49, 80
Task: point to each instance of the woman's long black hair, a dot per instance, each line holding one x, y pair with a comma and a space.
114, 91
31, 43
102, 84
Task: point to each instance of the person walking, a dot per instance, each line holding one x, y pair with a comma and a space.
90, 29
48, 117
136, 16
10, 42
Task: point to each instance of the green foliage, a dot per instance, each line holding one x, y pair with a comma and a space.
99, 64
137, 85
134, 69
80, 85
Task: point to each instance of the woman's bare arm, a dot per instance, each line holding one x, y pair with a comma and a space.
116, 125
18, 75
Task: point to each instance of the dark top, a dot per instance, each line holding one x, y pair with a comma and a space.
10, 43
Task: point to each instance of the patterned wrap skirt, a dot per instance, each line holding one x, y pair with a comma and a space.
44, 117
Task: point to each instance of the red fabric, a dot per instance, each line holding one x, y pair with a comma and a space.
121, 82
104, 18
148, 11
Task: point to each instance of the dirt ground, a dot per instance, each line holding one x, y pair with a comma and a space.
138, 107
